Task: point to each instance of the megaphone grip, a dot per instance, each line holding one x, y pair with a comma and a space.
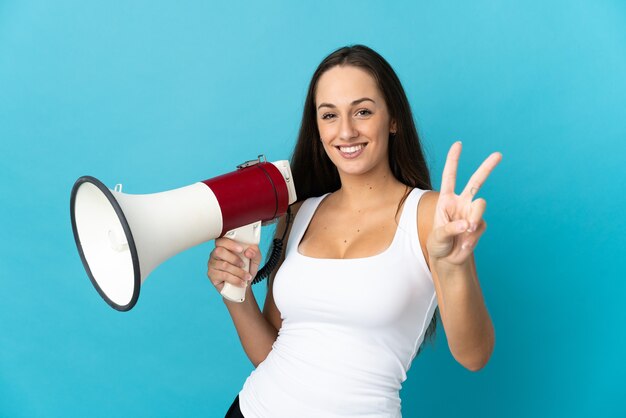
246, 235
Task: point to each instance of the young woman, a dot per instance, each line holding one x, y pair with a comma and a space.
371, 255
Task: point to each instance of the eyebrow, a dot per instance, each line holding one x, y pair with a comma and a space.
356, 102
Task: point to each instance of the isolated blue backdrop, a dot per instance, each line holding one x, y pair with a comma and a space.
157, 95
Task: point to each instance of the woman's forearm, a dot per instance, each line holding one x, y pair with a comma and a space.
256, 333
468, 326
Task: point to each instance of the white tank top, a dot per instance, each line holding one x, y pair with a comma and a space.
351, 328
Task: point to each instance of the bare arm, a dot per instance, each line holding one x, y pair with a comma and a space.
455, 225
256, 333
469, 330
257, 330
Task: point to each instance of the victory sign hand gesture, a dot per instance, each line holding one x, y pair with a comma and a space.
458, 222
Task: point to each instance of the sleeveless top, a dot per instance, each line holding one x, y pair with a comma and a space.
350, 330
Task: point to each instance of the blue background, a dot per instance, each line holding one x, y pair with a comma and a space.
158, 95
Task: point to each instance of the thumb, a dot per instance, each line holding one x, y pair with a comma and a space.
441, 240
450, 230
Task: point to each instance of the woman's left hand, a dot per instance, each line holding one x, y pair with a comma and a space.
458, 222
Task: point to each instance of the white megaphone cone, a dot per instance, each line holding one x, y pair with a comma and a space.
122, 237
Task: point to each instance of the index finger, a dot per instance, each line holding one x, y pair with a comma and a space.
229, 244
448, 178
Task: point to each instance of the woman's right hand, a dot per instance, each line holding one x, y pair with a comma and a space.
226, 266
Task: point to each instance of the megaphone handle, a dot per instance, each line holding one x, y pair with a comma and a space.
245, 235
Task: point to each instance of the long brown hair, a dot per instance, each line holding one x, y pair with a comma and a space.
314, 173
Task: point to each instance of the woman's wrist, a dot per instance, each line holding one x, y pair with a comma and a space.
445, 269
249, 300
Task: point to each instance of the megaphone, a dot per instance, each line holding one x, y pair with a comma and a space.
122, 238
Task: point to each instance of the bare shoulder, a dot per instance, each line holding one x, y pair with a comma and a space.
425, 217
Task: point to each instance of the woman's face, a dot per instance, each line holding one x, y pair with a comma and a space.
353, 120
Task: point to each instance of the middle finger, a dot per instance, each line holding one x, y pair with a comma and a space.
478, 178
224, 254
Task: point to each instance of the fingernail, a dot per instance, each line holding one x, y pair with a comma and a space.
238, 249
249, 253
461, 226
472, 228
248, 277
466, 245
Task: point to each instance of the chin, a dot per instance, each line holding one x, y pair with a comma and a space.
355, 170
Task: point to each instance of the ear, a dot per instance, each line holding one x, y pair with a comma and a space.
393, 127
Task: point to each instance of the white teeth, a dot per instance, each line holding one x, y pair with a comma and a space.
350, 150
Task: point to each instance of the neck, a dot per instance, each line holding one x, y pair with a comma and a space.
368, 190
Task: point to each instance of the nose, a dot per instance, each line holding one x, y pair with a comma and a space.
347, 130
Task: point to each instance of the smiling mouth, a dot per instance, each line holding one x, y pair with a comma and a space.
351, 151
